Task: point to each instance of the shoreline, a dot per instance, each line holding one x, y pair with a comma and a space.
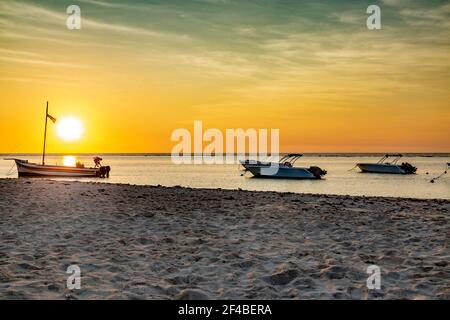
156, 242
345, 196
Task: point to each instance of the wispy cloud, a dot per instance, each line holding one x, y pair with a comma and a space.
352, 17
249, 53
395, 3
35, 13
438, 17
17, 52
36, 80
111, 4
41, 62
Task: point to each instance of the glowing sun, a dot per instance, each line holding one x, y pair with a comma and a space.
69, 128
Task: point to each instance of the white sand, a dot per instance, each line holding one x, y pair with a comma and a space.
136, 242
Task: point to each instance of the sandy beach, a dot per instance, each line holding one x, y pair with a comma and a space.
144, 242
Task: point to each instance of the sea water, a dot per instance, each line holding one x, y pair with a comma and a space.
341, 179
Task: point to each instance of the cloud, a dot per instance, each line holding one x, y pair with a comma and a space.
350, 17
245, 31
258, 52
220, 63
36, 80
41, 62
110, 4
395, 3
40, 14
438, 17
17, 52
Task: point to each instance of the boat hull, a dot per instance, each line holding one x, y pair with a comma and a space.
381, 168
280, 172
26, 169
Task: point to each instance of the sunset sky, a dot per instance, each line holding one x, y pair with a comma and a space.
137, 70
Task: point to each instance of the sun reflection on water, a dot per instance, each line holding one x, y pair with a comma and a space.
69, 161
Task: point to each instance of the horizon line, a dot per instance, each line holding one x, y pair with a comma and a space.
224, 154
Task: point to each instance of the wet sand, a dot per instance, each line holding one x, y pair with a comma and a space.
143, 242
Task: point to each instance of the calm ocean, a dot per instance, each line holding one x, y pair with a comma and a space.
154, 170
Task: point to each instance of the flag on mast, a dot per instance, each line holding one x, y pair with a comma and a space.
51, 118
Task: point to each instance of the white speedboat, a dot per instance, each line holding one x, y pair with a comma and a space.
384, 166
283, 169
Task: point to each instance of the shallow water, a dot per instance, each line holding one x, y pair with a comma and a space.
154, 170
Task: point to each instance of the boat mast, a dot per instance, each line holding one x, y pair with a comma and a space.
45, 134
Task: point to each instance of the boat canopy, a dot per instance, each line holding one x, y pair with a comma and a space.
291, 158
396, 157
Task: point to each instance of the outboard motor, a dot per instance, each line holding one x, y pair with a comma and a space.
408, 168
104, 171
317, 172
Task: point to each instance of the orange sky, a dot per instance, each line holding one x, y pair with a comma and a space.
132, 77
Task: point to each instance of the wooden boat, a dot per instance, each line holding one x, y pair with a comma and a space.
392, 167
27, 169
283, 169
